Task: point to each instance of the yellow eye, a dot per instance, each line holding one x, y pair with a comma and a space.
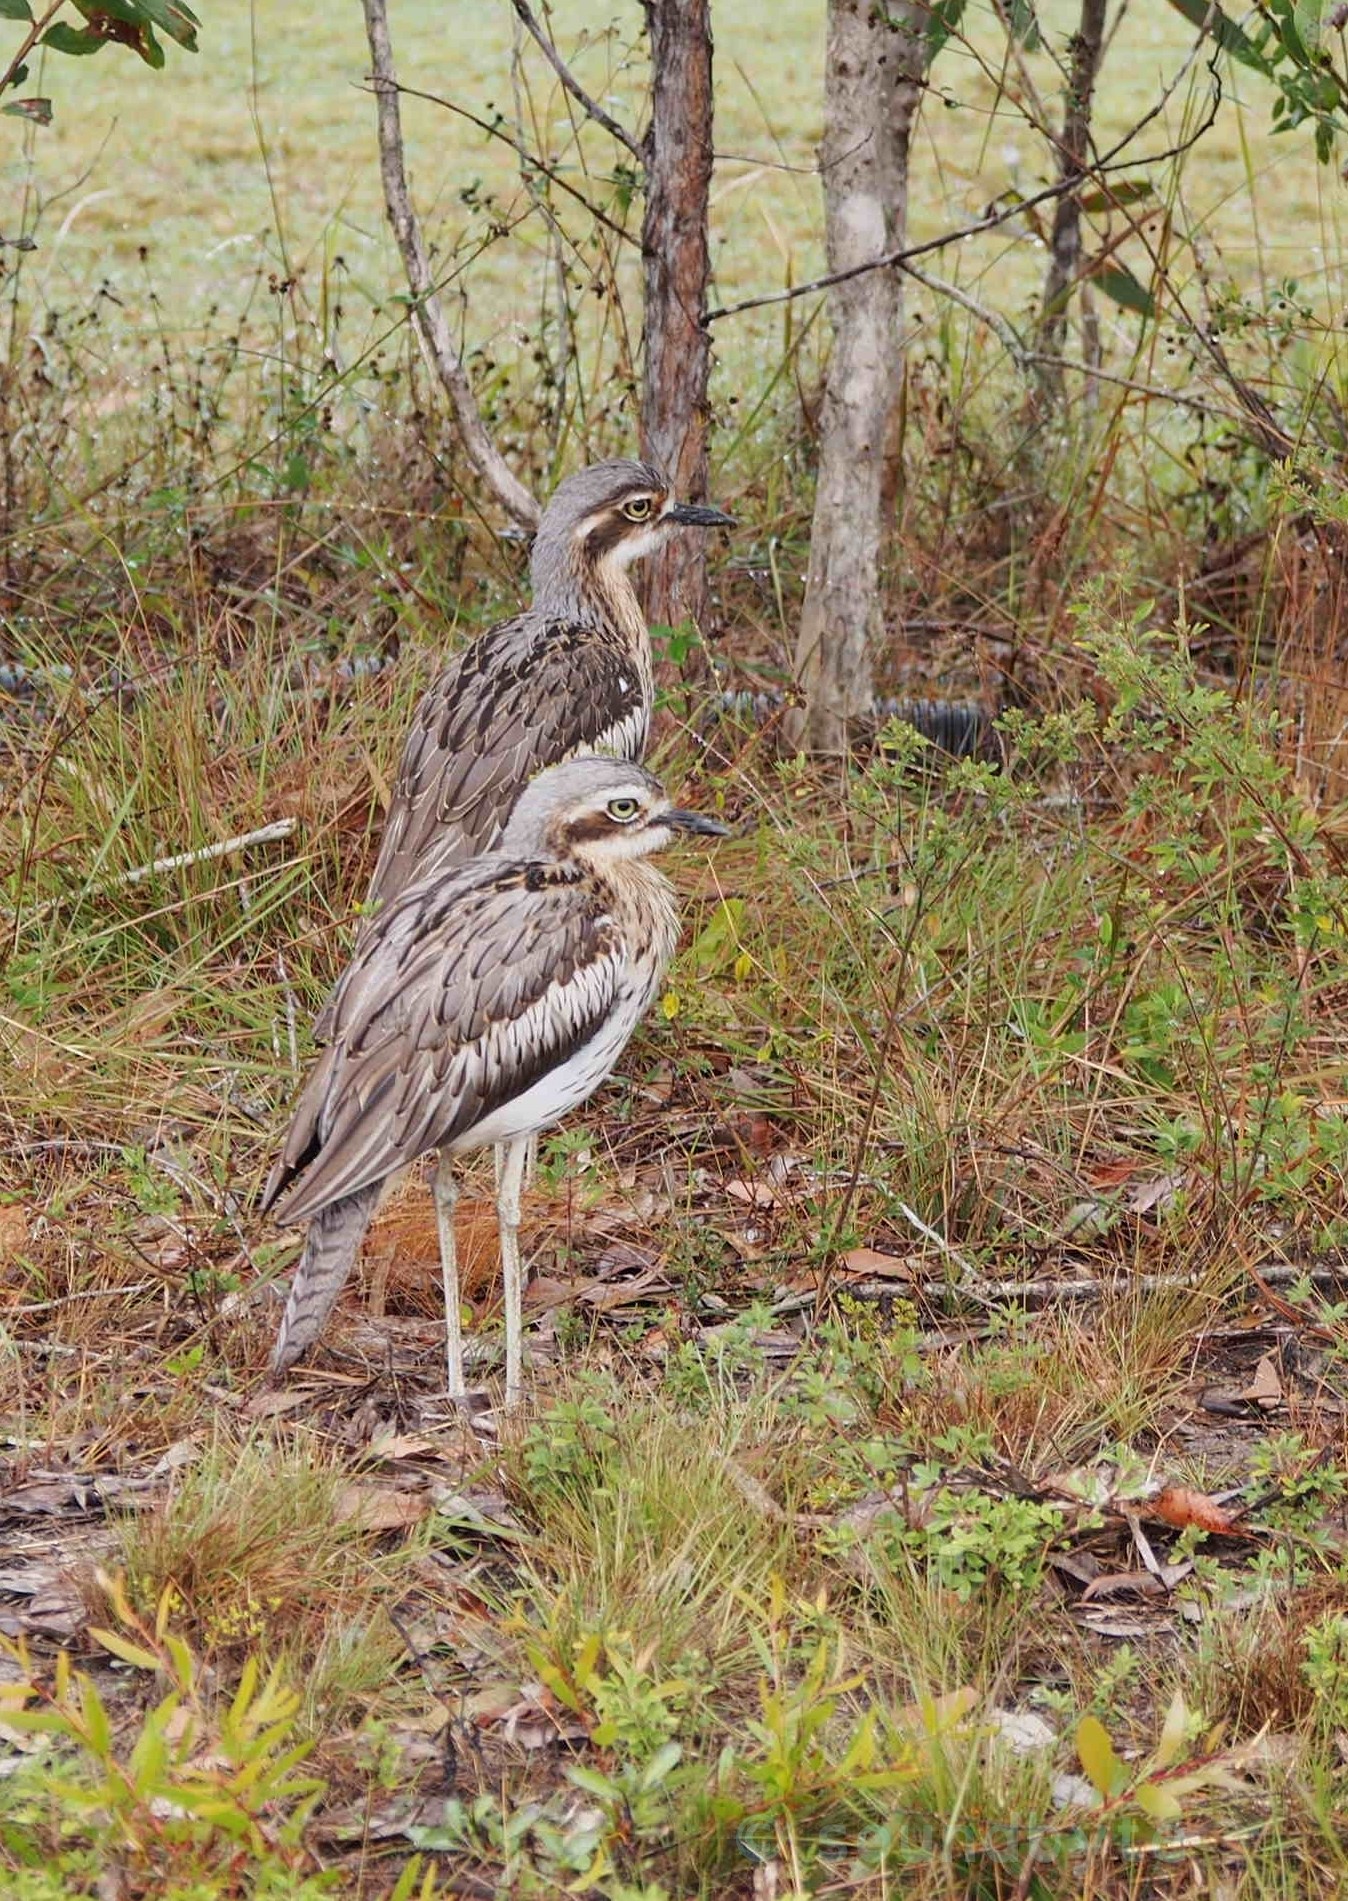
638, 509
623, 810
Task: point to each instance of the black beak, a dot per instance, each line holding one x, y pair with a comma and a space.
694, 515
697, 822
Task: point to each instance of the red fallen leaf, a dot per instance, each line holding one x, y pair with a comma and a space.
1177, 1505
1112, 1174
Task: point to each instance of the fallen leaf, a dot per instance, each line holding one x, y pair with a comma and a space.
13, 1231
404, 1446
751, 1194
381, 1507
1124, 1584
275, 1400
1178, 1506
1265, 1388
1111, 1623
1158, 1192
868, 1264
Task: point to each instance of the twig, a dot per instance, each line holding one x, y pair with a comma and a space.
497, 131
938, 1241
292, 1014
27, 43
84, 1293
427, 310
991, 218
591, 107
999, 325
264, 835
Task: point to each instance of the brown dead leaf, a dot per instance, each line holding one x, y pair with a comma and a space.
1265, 1388
1124, 1584
751, 1194
381, 1507
1106, 1622
275, 1400
405, 1446
868, 1264
1157, 1192
602, 1296
13, 1231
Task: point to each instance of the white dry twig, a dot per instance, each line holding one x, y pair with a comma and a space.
264, 835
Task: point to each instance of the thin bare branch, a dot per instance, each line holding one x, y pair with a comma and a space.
993, 217
498, 131
264, 835
427, 310
1000, 326
591, 107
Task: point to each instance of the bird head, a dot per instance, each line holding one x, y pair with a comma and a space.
600, 811
602, 519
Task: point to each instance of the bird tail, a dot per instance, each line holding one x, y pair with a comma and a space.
330, 1248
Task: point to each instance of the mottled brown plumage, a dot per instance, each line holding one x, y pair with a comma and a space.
483, 1004
572, 674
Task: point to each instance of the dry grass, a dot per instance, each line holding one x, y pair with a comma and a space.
945, 1218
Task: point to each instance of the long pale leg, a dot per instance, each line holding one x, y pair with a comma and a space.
530, 1159
446, 1194
513, 1157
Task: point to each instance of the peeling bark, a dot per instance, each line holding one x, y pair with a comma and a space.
876, 61
675, 412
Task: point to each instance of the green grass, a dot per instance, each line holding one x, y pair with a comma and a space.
257, 156
771, 1589
910, 1303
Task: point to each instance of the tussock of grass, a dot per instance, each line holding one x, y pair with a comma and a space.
262, 1552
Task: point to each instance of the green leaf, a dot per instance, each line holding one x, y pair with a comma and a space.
96, 1722
1025, 26
594, 1783
1230, 37
666, 1757
122, 1647
1155, 1800
38, 110
125, 21
171, 17
1118, 283
1128, 191
1102, 1766
1172, 1732
942, 21
77, 41
1306, 19
15, 10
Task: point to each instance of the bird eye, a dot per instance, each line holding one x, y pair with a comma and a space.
624, 810
638, 509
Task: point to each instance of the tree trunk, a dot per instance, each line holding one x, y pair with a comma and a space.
1073, 155
877, 56
676, 261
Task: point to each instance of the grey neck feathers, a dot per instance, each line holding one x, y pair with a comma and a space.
599, 596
